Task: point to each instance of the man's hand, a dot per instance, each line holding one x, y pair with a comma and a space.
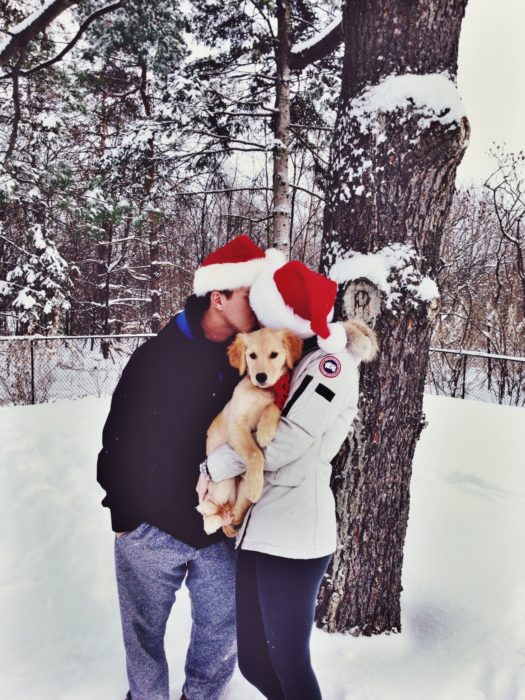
202, 488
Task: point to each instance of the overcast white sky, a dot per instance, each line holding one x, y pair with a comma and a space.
491, 80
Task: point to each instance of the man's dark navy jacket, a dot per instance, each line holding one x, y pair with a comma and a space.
155, 435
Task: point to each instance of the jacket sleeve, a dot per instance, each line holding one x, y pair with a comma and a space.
310, 410
118, 460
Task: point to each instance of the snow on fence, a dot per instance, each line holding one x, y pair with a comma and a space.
40, 369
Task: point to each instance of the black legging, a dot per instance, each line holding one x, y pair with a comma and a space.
275, 612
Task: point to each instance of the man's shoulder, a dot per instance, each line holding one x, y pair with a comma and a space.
153, 348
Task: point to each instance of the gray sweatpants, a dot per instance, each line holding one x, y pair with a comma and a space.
151, 566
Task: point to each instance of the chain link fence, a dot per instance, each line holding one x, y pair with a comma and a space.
468, 374
41, 369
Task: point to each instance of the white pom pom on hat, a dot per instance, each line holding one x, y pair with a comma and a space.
234, 265
297, 298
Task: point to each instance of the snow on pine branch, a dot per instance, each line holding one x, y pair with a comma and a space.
37, 287
393, 270
433, 96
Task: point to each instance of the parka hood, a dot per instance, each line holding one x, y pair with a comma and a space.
361, 340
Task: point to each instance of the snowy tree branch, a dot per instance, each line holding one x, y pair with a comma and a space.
229, 139
226, 191
99, 13
303, 189
22, 250
24, 33
17, 113
318, 47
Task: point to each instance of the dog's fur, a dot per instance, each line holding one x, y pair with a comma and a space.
266, 355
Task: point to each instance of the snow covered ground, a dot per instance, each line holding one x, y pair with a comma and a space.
463, 602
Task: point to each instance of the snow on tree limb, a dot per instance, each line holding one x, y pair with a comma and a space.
89, 20
318, 46
24, 32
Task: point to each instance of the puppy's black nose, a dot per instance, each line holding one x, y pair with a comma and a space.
261, 377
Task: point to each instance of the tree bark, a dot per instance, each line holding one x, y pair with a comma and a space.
401, 194
281, 189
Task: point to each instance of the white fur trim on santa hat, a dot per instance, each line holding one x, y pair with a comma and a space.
336, 341
233, 275
226, 276
271, 310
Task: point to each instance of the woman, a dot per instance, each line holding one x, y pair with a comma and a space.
288, 536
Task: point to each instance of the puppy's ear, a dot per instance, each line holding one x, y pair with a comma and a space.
294, 347
236, 353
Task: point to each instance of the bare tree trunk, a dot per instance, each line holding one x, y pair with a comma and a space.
281, 202
155, 268
149, 181
103, 294
507, 186
391, 182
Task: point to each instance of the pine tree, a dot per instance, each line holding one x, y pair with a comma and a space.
38, 287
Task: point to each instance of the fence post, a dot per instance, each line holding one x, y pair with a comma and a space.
464, 376
32, 372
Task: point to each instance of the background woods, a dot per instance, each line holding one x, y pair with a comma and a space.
136, 137
134, 157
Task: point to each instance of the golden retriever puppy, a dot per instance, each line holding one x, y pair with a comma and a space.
266, 355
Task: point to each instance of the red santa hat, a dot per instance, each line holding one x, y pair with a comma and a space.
235, 265
297, 298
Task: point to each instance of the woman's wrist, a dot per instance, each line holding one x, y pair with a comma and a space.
203, 467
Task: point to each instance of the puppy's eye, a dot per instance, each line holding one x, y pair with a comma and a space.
273, 355
253, 356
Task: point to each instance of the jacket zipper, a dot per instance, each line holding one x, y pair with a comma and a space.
245, 527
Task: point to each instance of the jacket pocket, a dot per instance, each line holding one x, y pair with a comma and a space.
289, 475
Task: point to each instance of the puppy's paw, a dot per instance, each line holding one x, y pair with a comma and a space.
265, 434
207, 508
212, 523
254, 485
231, 530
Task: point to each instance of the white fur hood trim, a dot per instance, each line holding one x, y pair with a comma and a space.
361, 340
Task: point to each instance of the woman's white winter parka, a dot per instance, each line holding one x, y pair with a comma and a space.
295, 516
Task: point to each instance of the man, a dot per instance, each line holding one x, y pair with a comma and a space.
153, 441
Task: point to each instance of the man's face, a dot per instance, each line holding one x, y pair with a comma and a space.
237, 312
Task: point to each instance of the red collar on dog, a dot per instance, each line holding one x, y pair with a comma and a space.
281, 389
